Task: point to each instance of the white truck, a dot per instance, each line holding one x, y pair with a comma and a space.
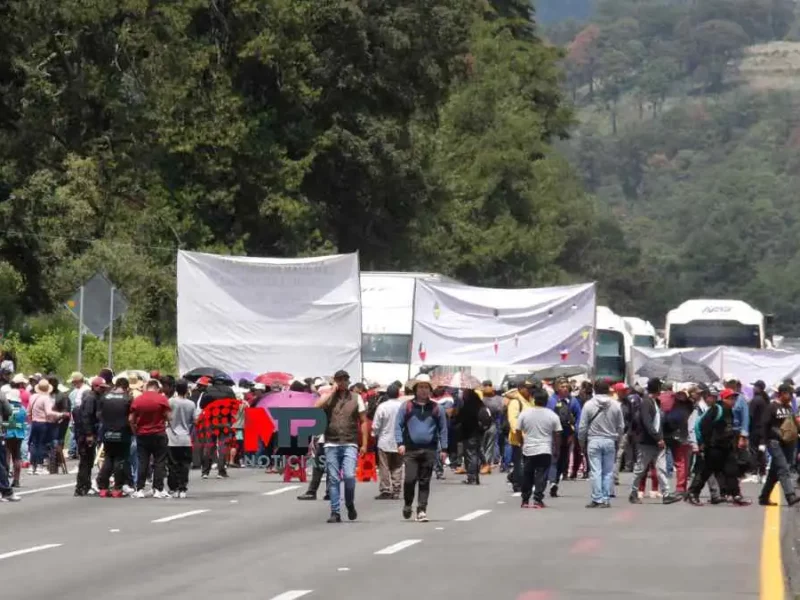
703, 323
642, 332
613, 345
387, 320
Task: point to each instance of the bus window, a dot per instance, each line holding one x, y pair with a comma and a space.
702, 334
386, 348
644, 341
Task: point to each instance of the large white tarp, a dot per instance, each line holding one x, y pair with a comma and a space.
456, 324
745, 364
301, 316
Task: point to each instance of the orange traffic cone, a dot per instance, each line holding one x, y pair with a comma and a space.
365, 470
295, 468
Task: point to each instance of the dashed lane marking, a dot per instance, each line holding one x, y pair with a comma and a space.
28, 551
473, 515
282, 490
394, 548
46, 489
191, 513
292, 595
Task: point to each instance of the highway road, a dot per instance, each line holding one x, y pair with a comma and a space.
249, 538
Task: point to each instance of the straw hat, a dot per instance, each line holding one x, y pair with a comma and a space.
44, 387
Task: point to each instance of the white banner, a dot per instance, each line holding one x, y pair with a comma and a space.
456, 324
301, 316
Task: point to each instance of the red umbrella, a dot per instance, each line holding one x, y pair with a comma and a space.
458, 380
275, 377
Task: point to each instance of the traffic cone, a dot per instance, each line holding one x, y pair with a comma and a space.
365, 469
295, 469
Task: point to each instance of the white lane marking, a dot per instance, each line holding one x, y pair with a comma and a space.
191, 513
517, 494
292, 594
113, 530
440, 529
501, 501
234, 502
398, 546
343, 569
288, 488
28, 551
473, 515
46, 489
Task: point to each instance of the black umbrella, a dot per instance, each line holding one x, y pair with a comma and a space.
209, 372
559, 371
677, 368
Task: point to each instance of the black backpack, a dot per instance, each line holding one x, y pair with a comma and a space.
485, 420
565, 414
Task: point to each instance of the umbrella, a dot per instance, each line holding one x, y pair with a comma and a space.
559, 371
289, 400
143, 375
247, 375
457, 380
275, 377
209, 372
677, 368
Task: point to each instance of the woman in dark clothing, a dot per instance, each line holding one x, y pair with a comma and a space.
61, 404
676, 437
471, 434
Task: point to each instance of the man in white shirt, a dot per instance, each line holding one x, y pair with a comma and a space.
541, 434
75, 396
390, 463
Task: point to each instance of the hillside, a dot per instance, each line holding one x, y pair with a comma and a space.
689, 133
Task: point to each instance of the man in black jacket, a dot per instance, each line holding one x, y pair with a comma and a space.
86, 424
759, 406
648, 426
779, 431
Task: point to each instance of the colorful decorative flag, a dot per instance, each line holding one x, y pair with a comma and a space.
564, 353
496, 346
423, 353
437, 311
585, 334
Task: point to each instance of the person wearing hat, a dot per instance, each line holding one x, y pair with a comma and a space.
780, 432
14, 427
717, 438
741, 412
43, 420
347, 423
390, 463
86, 427
113, 411
704, 397
216, 448
135, 385
626, 451
759, 407
518, 400
79, 387
420, 430
6, 418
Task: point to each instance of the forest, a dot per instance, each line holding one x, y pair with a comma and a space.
457, 136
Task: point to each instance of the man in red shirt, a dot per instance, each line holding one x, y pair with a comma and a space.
149, 416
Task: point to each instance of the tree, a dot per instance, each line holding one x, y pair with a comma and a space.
717, 42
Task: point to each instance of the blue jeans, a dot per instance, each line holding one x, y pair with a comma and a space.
25, 450
670, 462
40, 442
5, 486
338, 460
73, 442
134, 460
602, 457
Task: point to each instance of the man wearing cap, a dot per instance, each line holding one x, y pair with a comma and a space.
704, 397
87, 422
347, 422
420, 429
114, 410
741, 412
717, 437
779, 432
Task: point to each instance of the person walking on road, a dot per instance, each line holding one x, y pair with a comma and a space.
705, 397
601, 426
179, 437
651, 450
390, 463
6, 491
491, 452
347, 422
779, 429
518, 400
541, 434
421, 428
149, 415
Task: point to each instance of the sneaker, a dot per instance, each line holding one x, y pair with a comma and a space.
694, 500
138, 494
383, 496
739, 501
307, 496
407, 512
422, 516
594, 504
223, 475
161, 495
127, 490
352, 514
173, 493
92, 492
396, 496
15, 484
792, 500
10, 498
117, 494
80, 493
750, 479
635, 498
554, 491
182, 495
327, 497
718, 500
640, 495
204, 476
768, 502
103, 494
335, 518
670, 499
606, 504
539, 504
656, 495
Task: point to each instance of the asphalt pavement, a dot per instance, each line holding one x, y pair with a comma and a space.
248, 537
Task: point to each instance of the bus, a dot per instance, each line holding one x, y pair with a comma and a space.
642, 333
612, 346
387, 322
707, 323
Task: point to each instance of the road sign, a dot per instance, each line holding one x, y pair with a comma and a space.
97, 306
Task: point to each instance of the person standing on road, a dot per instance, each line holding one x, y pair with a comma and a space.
6, 491
626, 443
216, 446
601, 426
347, 421
179, 435
648, 425
518, 400
390, 463
541, 433
15, 427
420, 430
779, 430
114, 409
704, 397
568, 410
149, 415
86, 421
491, 450
759, 407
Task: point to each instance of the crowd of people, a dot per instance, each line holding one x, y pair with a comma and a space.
132, 430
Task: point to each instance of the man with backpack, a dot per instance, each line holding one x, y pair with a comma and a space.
421, 428
779, 430
648, 425
568, 410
